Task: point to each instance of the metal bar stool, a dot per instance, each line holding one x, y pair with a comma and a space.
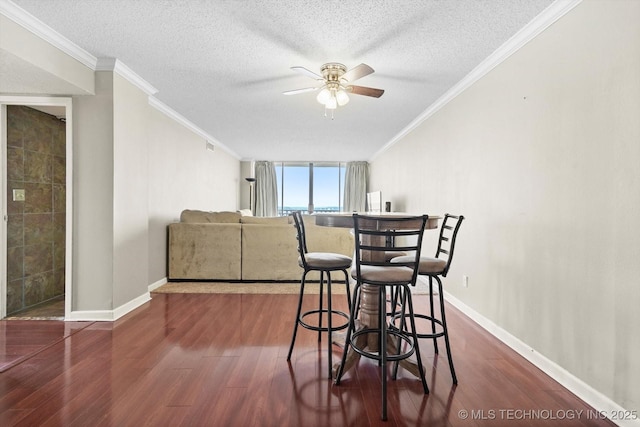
324, 262
375, 270
434, 268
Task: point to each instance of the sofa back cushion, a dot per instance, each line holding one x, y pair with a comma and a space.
223, 217
270, 220
309, 219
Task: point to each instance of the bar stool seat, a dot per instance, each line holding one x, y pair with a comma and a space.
427, 265
371, 273
325, 260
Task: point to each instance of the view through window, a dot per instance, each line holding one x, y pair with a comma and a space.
310, 187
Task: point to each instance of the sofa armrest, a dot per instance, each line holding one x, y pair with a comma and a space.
205, 251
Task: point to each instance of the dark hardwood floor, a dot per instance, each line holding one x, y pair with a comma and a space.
22, 339
220, 360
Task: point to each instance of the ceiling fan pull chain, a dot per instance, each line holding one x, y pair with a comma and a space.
325, 112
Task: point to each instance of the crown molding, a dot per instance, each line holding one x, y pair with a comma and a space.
49, 35
537, 25
117, 66
168, 111
42, 30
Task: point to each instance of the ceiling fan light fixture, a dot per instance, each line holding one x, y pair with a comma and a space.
342, 98
331, 103
323, 96
335, 84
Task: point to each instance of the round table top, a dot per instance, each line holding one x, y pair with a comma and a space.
345, 219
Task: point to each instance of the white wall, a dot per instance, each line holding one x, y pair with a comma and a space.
135, 170
130, 191
542, 156
137, 175
183, 175
93, 197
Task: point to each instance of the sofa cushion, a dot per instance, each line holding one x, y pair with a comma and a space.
266, 220
205, 251
270, 252
309, 219
195, 216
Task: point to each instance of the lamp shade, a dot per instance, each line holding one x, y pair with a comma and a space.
342, 97
323, 96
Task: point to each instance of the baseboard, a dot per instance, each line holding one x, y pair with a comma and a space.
90, 316
131, 305
108, 315
601, 403
152, 287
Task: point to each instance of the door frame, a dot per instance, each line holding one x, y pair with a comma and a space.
36, 101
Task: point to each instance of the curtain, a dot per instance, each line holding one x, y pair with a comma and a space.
356, 182
266, 189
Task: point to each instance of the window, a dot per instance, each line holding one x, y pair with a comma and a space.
310, 187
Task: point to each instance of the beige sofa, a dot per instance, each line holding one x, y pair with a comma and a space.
228, 246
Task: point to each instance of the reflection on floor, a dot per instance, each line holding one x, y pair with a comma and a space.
49, 310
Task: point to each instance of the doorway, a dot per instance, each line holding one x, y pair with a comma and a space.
36, 208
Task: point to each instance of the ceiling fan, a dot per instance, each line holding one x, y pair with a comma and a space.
335, 82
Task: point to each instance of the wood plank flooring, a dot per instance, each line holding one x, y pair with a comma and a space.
220, 360
22, 339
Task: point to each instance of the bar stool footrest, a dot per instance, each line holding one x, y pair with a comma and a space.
437, 334
376, 355
305, 325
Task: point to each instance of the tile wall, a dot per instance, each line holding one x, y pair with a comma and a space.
36, 226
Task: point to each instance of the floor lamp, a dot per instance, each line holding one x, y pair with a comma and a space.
251, 181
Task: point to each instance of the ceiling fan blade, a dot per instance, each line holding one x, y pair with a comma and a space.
366, 91
297, 91
307, 73
357, 72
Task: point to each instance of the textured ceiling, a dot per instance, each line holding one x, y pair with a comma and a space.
224, 64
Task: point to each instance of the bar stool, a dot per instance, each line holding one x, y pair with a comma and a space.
376, 271
324, 262
434, 268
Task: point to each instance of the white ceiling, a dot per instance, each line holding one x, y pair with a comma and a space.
224, 64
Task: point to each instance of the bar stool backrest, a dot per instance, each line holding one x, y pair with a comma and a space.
302, 239
447, 241
372, 233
